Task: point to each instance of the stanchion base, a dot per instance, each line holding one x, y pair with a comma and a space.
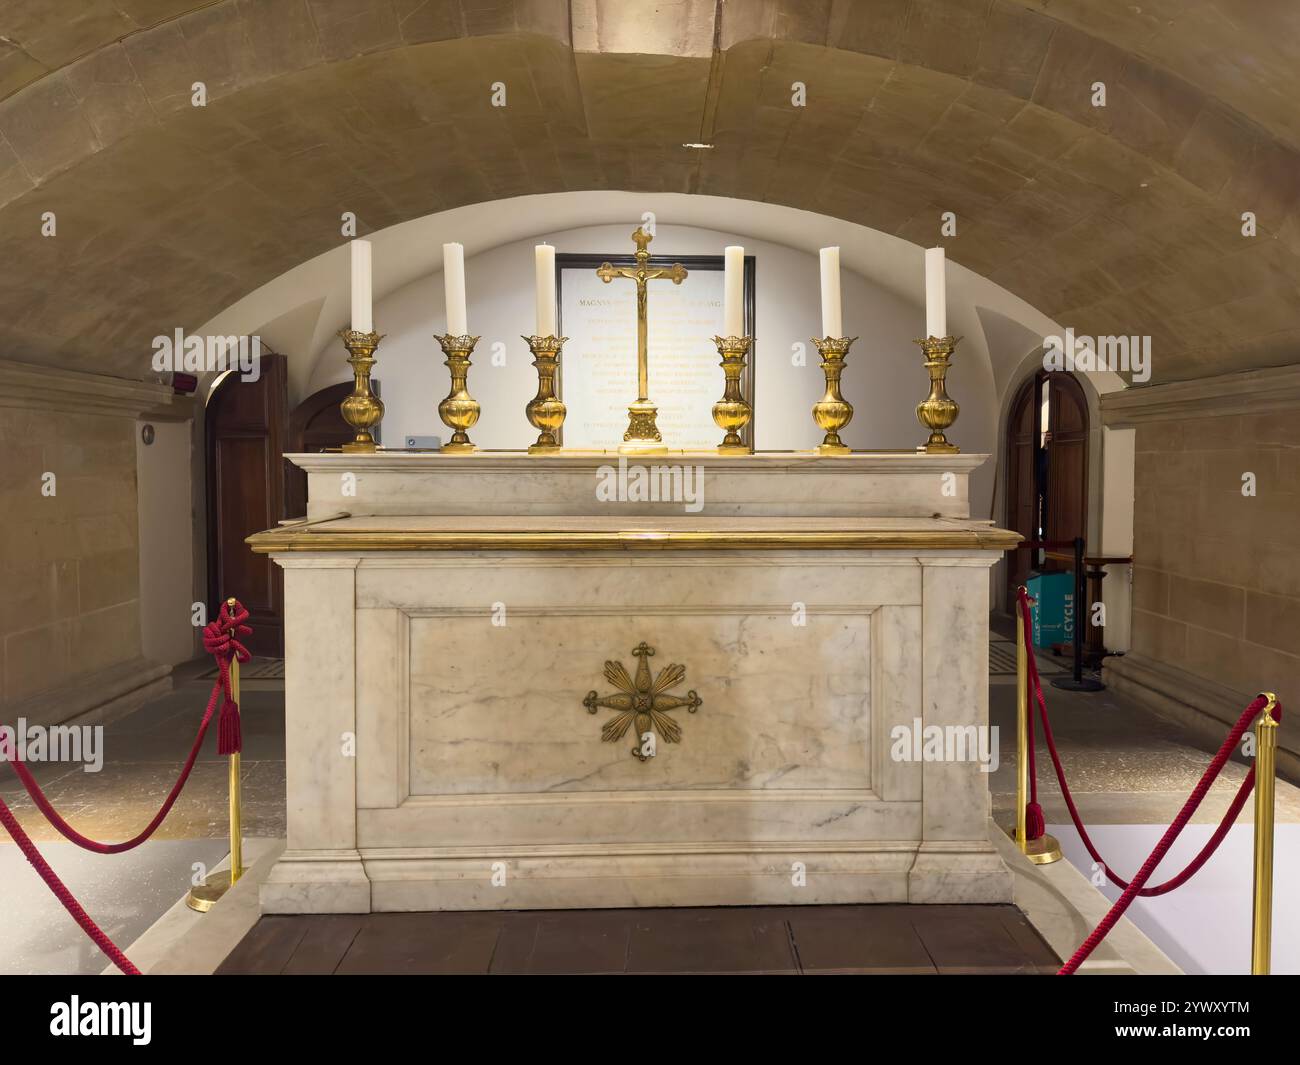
206, 895
1083, 684
1044, 850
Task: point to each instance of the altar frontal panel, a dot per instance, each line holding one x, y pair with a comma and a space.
753, 700
474, 732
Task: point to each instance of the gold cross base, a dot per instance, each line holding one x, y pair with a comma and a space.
642, 436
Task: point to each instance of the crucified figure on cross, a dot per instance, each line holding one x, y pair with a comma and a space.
642, 436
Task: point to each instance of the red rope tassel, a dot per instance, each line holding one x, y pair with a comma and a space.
1035, 823
229, 738
219, 640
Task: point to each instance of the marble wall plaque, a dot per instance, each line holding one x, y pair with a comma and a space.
500, 709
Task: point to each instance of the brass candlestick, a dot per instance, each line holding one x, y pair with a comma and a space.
362, 410
459, 411
732, 413
545, 411
938, 410
833, 412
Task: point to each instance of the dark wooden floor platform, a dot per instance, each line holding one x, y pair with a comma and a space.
899, 940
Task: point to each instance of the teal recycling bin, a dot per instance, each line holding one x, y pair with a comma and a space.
1053, 610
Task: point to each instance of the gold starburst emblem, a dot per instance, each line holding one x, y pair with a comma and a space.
642, 701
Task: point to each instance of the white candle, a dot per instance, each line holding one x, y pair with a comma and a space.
362, 318
453, 276
733, 288
545, 258
936, 299
832, 317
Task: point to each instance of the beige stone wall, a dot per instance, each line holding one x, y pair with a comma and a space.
69, 563
1216, 584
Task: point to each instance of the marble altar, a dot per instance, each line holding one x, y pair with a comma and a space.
448, 624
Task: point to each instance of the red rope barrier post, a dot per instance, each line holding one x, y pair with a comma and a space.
1261, 935
1029, 831
220, 639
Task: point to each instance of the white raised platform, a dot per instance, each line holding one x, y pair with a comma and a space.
441, 639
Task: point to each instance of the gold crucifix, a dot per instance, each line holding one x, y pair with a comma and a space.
642, 436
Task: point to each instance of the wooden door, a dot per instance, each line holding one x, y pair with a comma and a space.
1047, 468
1066, 507
245, 424
1022, 499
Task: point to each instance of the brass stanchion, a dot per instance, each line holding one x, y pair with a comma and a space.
1261, 940
204, 896
1045, 849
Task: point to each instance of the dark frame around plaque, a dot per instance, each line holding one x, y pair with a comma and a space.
583, 261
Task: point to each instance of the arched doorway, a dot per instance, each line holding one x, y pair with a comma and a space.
1047, 469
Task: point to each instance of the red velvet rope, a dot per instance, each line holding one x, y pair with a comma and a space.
63, 894
219, 639
1171, 835
1134, 888
1234, 808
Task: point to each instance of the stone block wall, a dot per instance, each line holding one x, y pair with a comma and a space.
1216, 580
69, 562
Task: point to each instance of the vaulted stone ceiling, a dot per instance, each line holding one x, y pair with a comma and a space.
1117, 220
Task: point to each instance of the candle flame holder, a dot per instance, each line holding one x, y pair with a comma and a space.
459, 411
938, 410
545, 411
362, 410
